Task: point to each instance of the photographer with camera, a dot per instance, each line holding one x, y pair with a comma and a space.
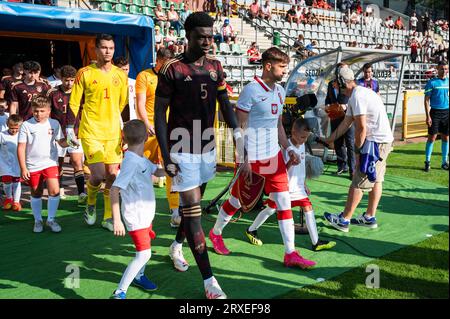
336, 106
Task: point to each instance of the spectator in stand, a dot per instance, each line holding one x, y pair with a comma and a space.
357, 7
312, 48
218, 38
301, 3
427, 48
399, 24
426, 23
219, 10
174, 19
300, 48
389, 23
184, 13
291, 15
354, 18
313, 19
161, 18
413, 22
254, 56
414, 47
171, 42
158, 38
265, 12
440, 55
227, 8
368, 81
228, 32
253, 10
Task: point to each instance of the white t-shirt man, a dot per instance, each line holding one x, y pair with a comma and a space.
3, 122
136, 190
41, 149
9, 164
413, 20
364, 101
264, 107
296, 173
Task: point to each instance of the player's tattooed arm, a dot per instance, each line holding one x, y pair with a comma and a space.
161, 105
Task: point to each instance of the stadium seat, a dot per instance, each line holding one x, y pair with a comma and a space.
224, 48
236, 49
134, 9
106, 6
120, 8
147, 11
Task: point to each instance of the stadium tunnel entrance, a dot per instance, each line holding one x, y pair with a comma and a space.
49, 53
47, 29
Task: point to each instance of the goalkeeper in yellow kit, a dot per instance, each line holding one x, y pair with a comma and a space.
105, 91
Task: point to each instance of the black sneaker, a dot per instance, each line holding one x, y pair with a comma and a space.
323, 244
445, 166
427, 166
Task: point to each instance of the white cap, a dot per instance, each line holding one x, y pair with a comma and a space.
346, 73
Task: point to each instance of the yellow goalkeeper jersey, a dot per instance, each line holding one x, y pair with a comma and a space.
146, 82
105, 96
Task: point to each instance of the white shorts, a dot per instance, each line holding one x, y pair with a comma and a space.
62, 151
195, 170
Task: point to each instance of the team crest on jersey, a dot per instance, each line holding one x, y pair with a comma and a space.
60, 100
274, 108
39, 89
213, 75
116, 82
50, 131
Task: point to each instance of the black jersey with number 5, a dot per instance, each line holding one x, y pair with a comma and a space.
192, 90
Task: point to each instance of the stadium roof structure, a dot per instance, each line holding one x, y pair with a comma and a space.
313, 74
133, 34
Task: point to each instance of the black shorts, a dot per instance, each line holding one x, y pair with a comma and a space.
439, 122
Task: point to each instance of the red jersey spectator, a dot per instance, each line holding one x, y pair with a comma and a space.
254, 56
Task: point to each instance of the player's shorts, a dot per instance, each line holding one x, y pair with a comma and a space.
62, 151
361, 181
195, 170
304, 202
141, 238
439, 122
102, 151
10, 179
152, 151
274, 172
38, 177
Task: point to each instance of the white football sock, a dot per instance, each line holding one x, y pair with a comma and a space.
261, 218
175, 212
7, 188
135, 267
52, 207
222, 220
312, 227
288, 233
17, 191
36, 207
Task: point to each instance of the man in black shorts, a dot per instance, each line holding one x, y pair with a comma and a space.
191, 83
436, 110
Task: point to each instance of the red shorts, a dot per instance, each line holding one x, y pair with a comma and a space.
10, 179
38, 177
274, 172
142, 238
305, 202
